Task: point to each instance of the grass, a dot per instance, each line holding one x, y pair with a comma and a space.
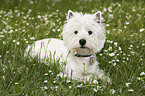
123, 56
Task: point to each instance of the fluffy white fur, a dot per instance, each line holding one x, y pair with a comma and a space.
77, 66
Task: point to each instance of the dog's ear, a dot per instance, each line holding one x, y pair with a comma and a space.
70, 14
98, 17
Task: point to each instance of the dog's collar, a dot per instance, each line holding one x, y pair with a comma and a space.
78, 55
91, 58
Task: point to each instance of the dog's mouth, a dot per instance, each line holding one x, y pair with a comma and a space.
82, 47
82, 51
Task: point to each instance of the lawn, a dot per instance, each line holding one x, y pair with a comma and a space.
24, 21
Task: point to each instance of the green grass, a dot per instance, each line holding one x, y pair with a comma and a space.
24, 21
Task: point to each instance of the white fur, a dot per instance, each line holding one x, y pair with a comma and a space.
78, 67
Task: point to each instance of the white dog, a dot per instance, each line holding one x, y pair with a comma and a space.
83, 36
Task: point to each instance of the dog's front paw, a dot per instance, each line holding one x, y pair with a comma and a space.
84, 79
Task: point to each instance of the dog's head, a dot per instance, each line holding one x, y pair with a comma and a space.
84, 34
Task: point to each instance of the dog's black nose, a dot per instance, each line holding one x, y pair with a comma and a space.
82, 42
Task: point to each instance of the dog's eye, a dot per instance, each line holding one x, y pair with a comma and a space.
76, 32
90, 32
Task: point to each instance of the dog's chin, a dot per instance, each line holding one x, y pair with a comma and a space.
83, 51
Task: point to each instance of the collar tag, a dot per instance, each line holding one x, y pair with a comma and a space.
91, 60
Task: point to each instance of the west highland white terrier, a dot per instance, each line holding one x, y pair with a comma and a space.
83, 36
